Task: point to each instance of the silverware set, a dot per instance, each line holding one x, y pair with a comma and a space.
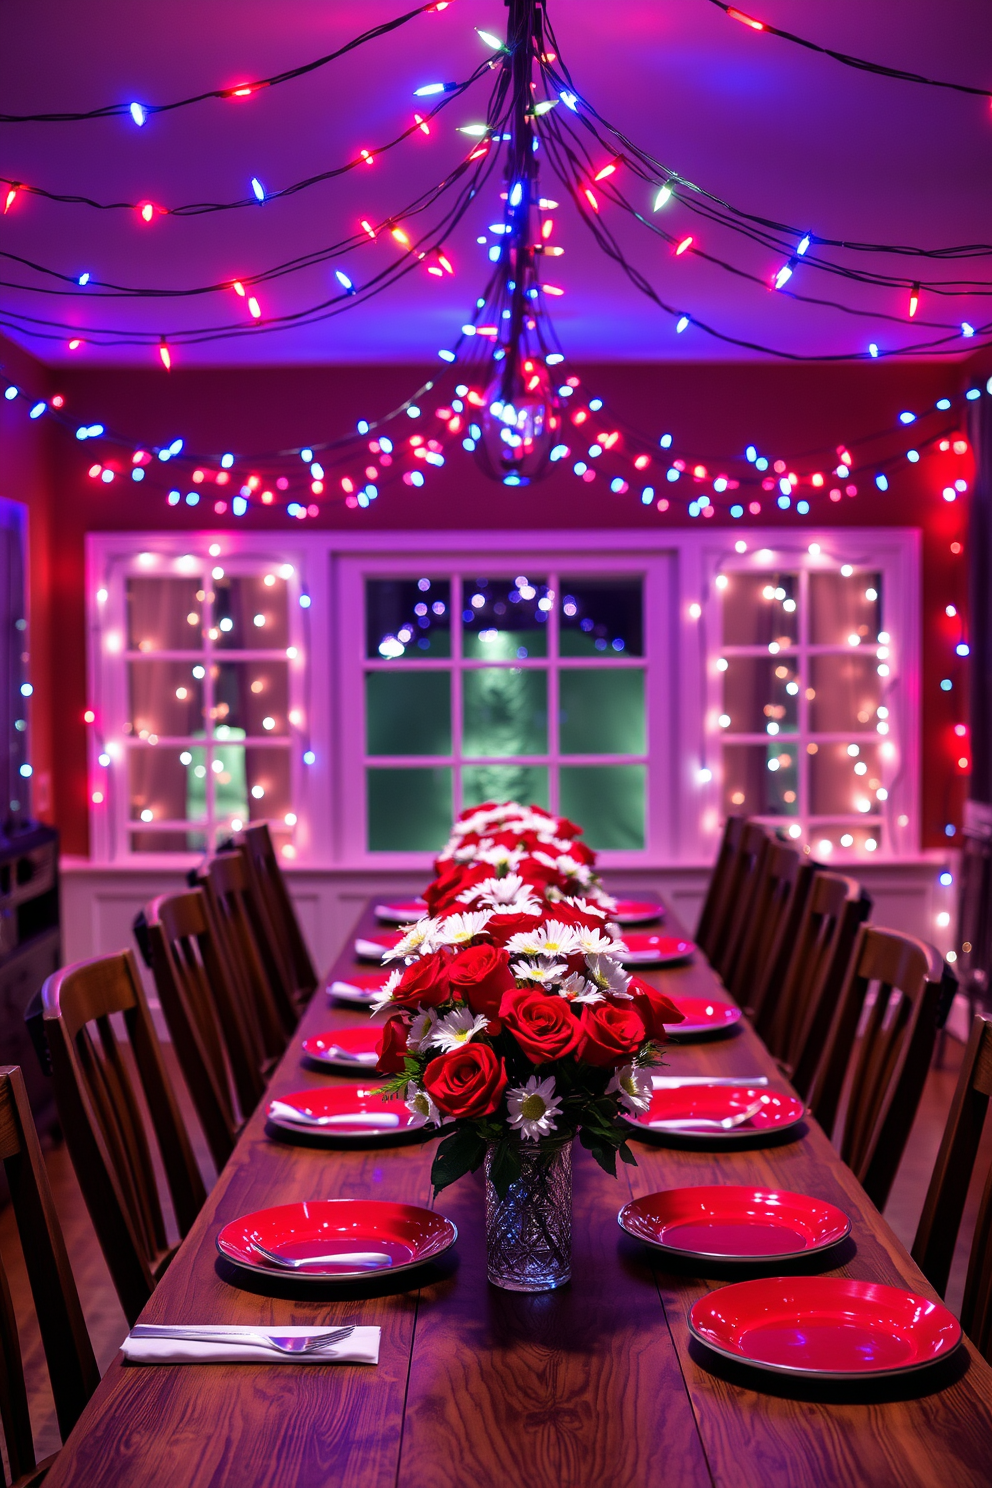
281, 1343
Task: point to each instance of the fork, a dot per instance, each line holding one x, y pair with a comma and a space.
369, 1259
281, 1342
376, 1119
705, 1123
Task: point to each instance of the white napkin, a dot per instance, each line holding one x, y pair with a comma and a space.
369, 950
360, 1347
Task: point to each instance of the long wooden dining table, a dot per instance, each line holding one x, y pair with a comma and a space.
597, 1385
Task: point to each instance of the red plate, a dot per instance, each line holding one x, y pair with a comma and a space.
705, 1017
714, 1103
360, 987
345, 1048
729, 1223
638, 911
647, 948
325, 1227
373, 947
357, 1115
828, 1327
404, 912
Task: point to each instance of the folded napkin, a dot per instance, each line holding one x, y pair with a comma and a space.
360, 1347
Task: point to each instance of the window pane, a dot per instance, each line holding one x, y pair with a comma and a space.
499, 613
267, 776
608, 800
228, 770
600, 615
157, 786
505, 711
760, 608
846, 693
843, 783
525, 783
408, 712
840, 607
410, 810
760, 779
250, 612
252, 697
163, 614
602, 711
166, 698
408, 617
168, 842
758, 691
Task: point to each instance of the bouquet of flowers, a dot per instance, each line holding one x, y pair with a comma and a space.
511, 1019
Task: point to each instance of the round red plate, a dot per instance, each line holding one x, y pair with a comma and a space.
638, 912
360, 987
325, 1227
730, 1223
646, 948
825, 1326
345, 1048
359, 1115
404, 912
374, 947
702, 1103
704, 1017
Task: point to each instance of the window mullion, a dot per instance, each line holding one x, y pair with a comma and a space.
554, 747
208, 708
457, 592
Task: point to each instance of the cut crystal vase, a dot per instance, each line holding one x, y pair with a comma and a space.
529, 1233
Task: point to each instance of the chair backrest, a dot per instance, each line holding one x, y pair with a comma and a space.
933, 1248
804, 1052
886, 1066
72, 1368
188, 926
102, 1120
758, 932
187, 1002
812, 953
236, 912
742, 886
760, 1004
715, 904
272, 883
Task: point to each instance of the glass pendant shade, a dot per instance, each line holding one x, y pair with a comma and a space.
521, 422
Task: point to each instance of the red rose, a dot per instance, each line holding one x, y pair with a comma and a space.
581, 853
424, 983
466, 1082
610, 1034
654, 1008
502, 926
567, 913
391, 1047
544, 1026
566, 828
481, 974
442, 894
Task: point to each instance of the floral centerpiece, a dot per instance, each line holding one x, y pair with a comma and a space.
511, 1023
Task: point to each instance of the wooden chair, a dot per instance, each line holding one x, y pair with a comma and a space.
933, 1248
803, 1054
813, 954
188, 1004
236, 912
884, 1069
102, 1121
272, 882
757, 933
72, 1368
187, 925
715, 904
763, 997
742, 885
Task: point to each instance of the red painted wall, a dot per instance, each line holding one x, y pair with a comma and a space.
713, 411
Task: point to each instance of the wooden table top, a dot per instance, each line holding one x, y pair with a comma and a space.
593, 1386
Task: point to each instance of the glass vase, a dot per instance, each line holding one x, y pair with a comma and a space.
529, 1233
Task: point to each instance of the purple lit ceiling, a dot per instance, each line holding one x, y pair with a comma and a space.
770, 127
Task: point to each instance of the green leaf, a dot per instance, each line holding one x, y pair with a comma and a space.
604, 1152
458, 1154
627, 1156
504, 1169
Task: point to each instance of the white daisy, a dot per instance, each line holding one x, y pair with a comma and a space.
595, 943
573, 870
550, 939
420, 1106
384, 996
459, 929
585, 906
532, 1108
455, 1029
544, 971
634, 1087
608, 976
417, 941
420, 1030
575, 988
509, 895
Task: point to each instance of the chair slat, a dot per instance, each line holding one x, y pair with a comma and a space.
269, 875
809, 962
276, 1014
768, 908
743, 884
715, 904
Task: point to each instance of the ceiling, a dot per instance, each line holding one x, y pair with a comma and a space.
772, 128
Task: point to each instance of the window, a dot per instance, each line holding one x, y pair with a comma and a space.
519, 679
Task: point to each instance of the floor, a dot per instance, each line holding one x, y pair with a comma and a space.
107, 1324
